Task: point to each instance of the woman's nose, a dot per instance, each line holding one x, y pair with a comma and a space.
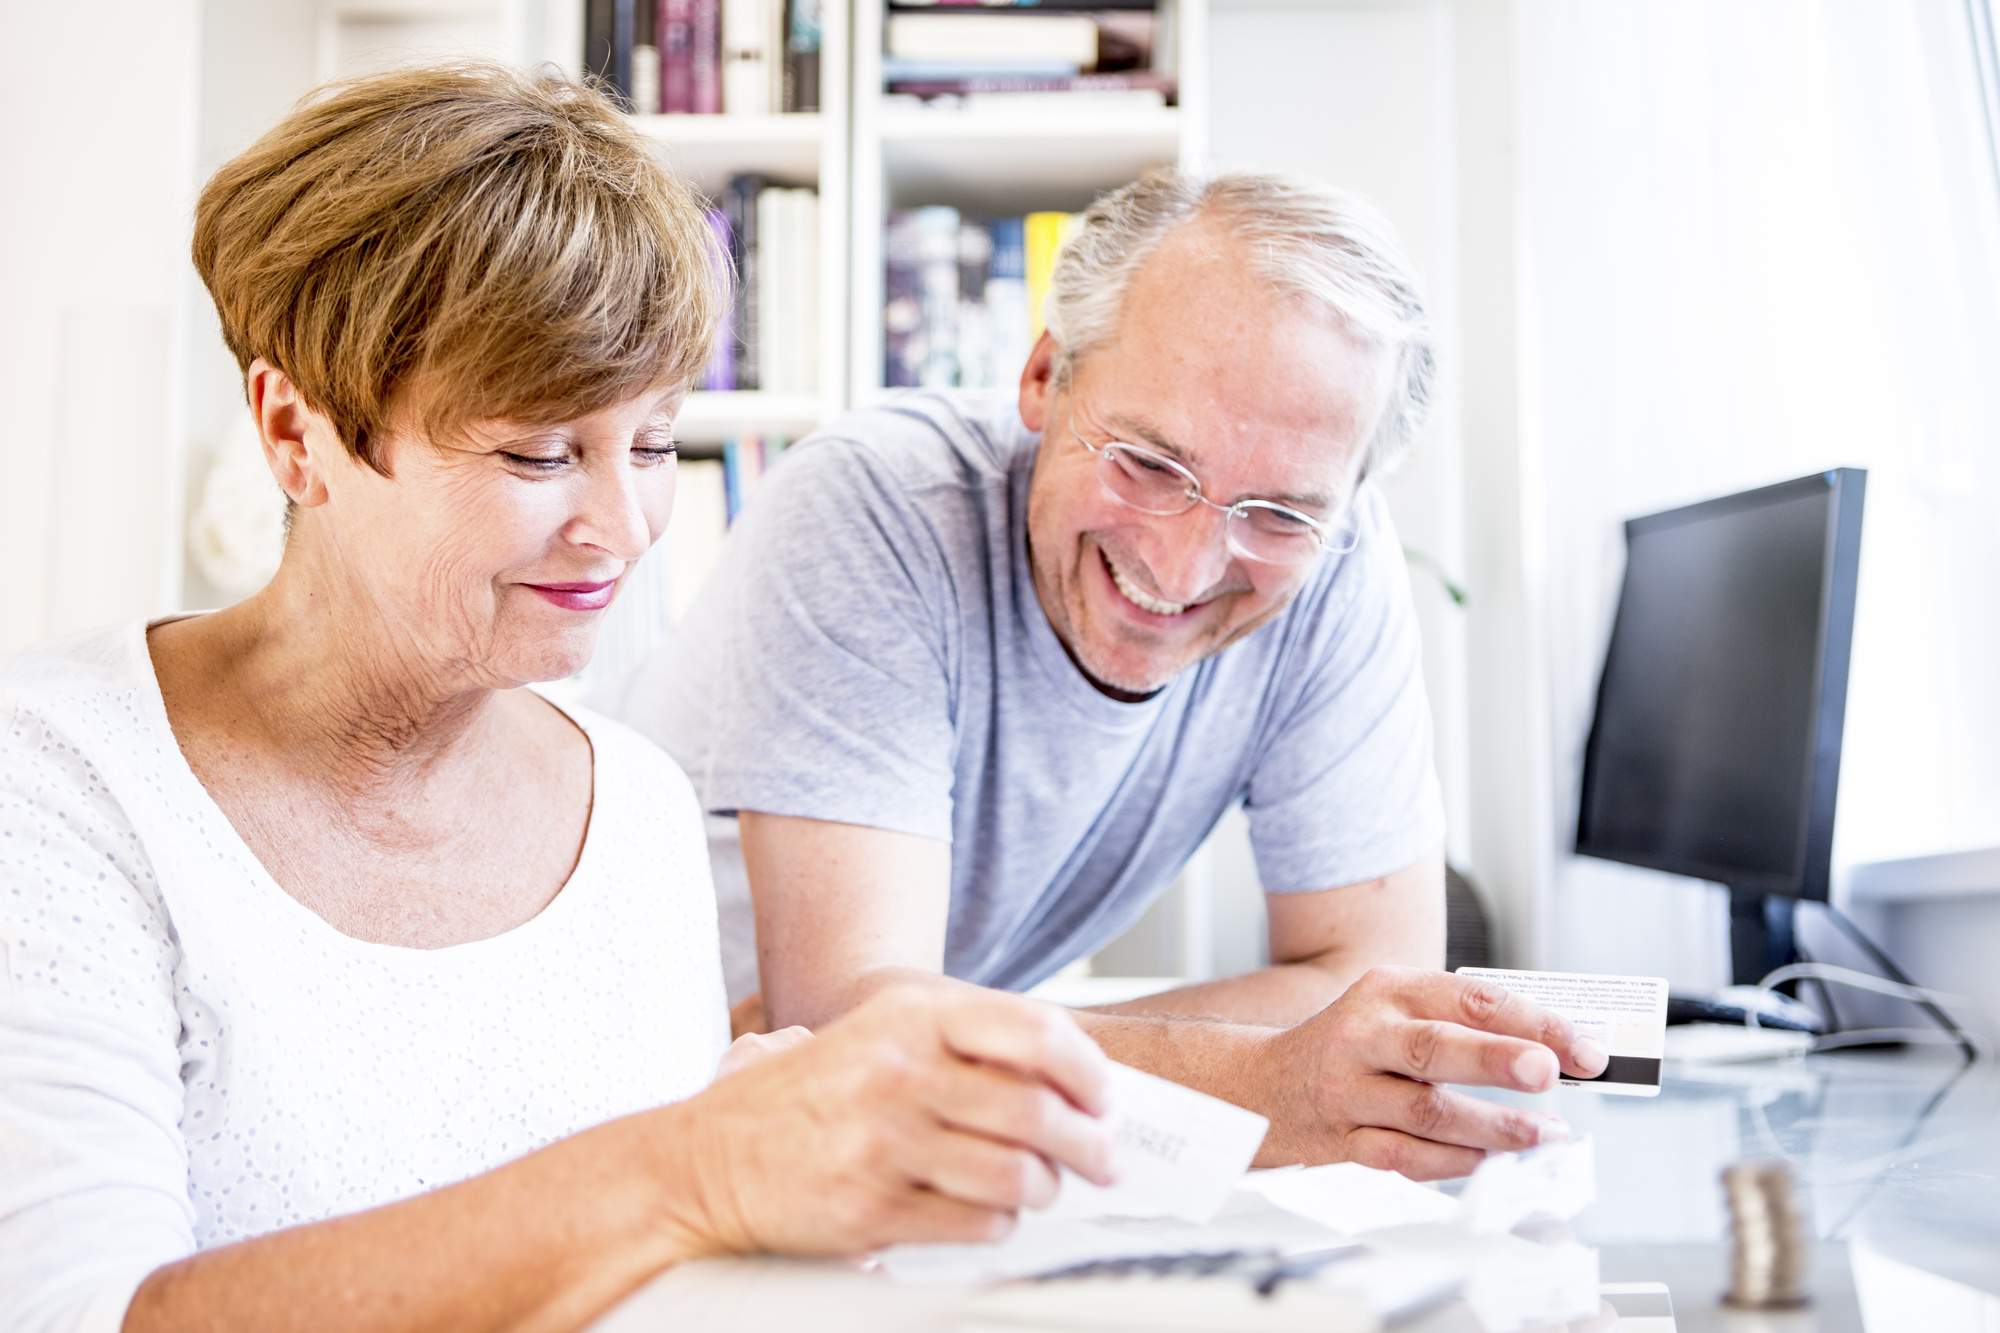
613, 516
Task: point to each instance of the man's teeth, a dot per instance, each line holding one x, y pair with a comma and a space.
1140, 599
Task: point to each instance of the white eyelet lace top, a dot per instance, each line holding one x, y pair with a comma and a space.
189, 1057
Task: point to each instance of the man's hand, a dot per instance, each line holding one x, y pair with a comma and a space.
1363, 1080
926, 1114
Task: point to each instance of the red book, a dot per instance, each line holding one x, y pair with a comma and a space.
676, 38
706, 57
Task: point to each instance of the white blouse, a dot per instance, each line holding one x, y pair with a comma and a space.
189, 1057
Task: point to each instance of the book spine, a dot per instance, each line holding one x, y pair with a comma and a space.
975, 253
732, 479
902, 303
805, 287
743, 193
623, 16
705, 73
802, 42
720, 377
1132, 81
1043, 237
677, 55
1007, 324
599, 23
772, 260
746, 57
645, 58
937, 279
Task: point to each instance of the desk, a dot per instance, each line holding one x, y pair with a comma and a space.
1899, 1155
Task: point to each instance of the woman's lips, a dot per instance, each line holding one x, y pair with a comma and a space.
577, 596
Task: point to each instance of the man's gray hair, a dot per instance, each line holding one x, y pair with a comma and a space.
1304, 238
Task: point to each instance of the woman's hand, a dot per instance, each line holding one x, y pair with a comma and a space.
925, 1114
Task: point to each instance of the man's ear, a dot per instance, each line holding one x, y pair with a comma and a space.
1038, 383
287, 427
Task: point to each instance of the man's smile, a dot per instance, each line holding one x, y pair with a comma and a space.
1132, 593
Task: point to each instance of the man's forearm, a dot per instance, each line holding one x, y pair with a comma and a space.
1223, 1059
1275, 996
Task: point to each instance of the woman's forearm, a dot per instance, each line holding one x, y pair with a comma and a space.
547, 1242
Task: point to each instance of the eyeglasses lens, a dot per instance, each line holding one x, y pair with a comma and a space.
1149, 484
1154, 485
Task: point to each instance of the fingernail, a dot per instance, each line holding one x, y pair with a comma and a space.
1535, 1069
1589, 1054
1553, 1131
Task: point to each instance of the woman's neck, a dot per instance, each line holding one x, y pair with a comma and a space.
331, 681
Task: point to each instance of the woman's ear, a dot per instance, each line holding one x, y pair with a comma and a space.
293, 435
1038, 383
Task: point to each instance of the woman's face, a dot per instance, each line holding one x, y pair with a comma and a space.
491, 556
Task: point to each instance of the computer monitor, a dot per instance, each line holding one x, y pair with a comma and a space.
1715, 750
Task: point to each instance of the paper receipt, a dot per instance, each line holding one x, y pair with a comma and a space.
1627, 1014
1178, 1152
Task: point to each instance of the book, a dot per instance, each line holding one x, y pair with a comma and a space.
676, 28
1064, 38
1015, 6
926, 69
749, 57
646, 72
975, 255
720, 376
1008, 335
741, 206
705, 59
695, 535
1043, 235
774, 281
742, 469
1142, 81
607, 47
937, 289
902, 303
804, 304
802, 43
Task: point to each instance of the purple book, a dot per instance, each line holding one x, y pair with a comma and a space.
721, 372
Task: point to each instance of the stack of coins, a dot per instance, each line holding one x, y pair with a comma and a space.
1772, 1258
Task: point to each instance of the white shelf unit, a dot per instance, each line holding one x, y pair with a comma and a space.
997, 160
802, 148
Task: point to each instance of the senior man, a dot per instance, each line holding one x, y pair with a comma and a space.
975, 677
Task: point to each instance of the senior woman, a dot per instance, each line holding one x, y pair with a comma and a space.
346, 983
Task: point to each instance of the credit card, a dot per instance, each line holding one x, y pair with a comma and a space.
1627, 1014
1178, 1152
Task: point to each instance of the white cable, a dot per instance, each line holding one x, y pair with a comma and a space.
1843, 976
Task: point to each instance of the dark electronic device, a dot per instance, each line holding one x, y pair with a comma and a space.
1715, 750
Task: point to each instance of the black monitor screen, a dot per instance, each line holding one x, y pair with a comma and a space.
1709, 750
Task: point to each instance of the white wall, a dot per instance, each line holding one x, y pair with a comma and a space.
1764, 241
97, 160
1410, 102
1361, 96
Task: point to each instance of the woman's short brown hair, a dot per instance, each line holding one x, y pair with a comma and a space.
454, 243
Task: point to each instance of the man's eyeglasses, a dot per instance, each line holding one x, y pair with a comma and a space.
1260, 530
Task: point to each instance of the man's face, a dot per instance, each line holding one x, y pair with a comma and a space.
1257, 395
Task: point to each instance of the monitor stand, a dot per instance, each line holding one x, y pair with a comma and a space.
1760, 935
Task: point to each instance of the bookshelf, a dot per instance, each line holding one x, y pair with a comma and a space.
1009, 161
791, 149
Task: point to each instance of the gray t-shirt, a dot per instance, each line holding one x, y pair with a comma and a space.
870, 650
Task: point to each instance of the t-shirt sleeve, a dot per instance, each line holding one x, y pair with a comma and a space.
1345, 791
93, 1168
824, 643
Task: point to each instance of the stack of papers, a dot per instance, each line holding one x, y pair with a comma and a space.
1188, 1240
